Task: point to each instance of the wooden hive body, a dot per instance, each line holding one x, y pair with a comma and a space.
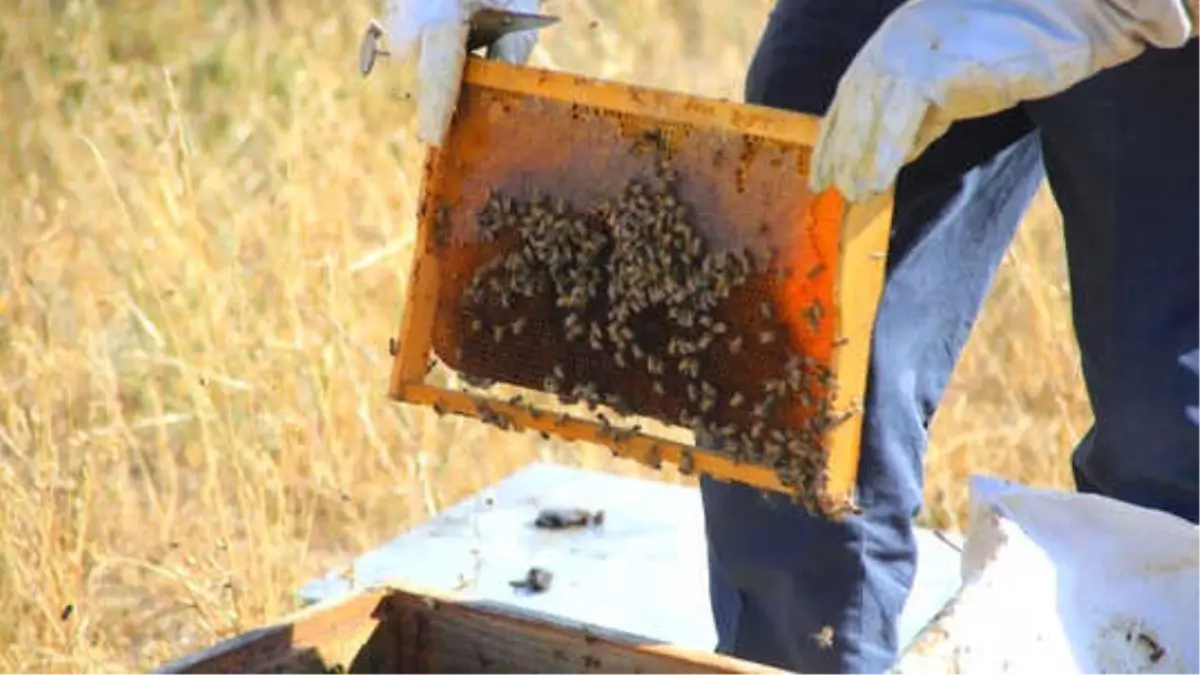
405, 629
738, 179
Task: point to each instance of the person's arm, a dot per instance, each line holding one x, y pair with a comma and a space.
933, 62
435, 33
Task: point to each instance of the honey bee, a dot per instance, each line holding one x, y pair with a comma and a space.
824, 637
687, 463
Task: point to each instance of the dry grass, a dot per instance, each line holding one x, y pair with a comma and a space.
205, 219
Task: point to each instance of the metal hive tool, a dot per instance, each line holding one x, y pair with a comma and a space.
657, 253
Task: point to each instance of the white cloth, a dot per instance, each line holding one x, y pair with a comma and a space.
1072, 583
435, 33
933, 62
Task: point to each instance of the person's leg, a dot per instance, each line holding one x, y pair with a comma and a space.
1120, 152
777, 575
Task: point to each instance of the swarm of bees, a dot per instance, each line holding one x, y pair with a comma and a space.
632, 282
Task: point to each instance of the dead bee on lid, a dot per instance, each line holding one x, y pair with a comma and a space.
536, 580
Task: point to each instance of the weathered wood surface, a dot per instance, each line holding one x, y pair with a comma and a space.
407, 630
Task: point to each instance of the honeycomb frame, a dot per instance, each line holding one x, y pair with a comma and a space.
538, 132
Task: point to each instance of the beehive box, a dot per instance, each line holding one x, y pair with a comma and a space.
655, 260
411, 630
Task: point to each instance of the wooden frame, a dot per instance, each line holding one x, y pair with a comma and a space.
860, 233
409, 630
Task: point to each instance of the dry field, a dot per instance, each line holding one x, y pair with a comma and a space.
205, 213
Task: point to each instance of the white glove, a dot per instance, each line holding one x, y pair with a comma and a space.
1191, 361
435, 32
933, 62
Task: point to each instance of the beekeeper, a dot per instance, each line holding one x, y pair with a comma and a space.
977, 100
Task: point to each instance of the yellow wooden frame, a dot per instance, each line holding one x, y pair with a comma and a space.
862, 248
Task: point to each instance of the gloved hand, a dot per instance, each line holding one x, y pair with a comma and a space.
1191, 361
933, 62
435, 32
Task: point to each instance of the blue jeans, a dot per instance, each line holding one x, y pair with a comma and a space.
1120, 154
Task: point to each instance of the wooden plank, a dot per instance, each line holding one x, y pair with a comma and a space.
649, 450
416, 325
474, 637
424, 631
313, 640
773, 123
862, 250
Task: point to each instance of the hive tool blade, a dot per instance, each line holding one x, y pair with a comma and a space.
489, 25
